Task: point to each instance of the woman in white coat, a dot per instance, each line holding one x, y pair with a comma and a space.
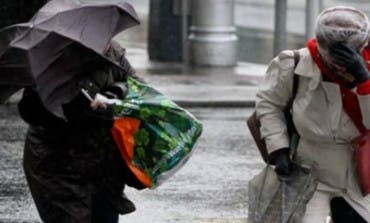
330, 110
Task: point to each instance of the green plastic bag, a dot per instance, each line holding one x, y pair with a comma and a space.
155, 136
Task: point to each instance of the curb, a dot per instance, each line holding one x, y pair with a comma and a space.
215, 104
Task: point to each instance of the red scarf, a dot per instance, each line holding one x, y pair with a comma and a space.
350, 101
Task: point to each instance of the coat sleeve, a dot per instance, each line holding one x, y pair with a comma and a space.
363, 90
272, 97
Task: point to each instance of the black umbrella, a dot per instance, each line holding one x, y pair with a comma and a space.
60, 44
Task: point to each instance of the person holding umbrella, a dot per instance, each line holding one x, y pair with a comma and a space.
330, 110
71, 178
64, 50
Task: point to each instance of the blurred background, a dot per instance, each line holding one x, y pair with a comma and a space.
255, 24
162, 23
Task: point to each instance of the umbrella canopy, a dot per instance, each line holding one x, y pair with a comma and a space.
274, 200
93, 23
63, 41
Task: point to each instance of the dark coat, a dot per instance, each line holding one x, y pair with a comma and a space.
64, 163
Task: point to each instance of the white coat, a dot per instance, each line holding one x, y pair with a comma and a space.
325, 130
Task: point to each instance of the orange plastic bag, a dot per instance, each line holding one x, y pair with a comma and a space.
124, 135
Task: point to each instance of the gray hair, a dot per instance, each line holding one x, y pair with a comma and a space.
342, 24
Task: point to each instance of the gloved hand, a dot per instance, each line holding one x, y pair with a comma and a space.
117, 90
351, 59
283, 164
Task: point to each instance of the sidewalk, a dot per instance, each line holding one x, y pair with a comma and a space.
200, 87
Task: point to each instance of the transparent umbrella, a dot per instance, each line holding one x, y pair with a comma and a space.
274, 200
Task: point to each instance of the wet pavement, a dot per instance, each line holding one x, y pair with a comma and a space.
15, 202
210, 188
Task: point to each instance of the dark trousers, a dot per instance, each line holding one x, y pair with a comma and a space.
342, 212
102, 211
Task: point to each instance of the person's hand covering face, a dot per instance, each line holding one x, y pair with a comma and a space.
350, 59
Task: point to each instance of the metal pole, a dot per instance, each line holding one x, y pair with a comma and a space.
280, 32
184, 31
313, 8
213, 40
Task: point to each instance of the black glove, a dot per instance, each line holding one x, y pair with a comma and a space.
117, 90
283, 164
351, 59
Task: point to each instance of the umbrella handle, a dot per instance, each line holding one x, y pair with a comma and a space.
84, 92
